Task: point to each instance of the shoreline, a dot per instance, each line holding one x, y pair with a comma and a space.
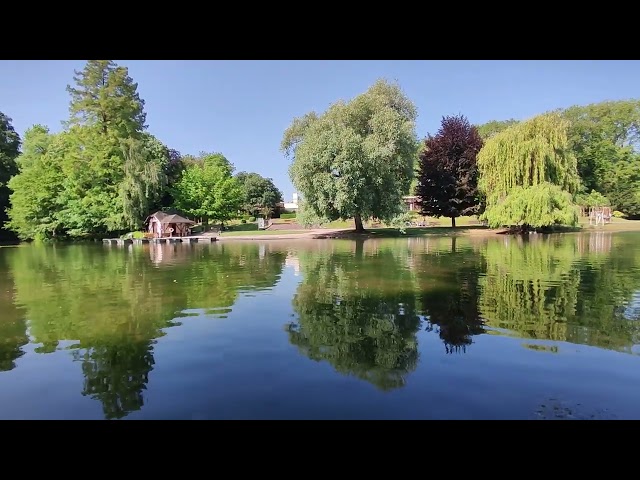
383, 233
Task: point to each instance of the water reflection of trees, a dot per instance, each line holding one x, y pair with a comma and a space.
553, 288
114, 303
447, 281
13, 328
357, 311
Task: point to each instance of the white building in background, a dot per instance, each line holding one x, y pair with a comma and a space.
293, 205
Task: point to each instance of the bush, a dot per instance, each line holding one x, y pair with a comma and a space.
243, 221
287, 215
252, 219
618, 214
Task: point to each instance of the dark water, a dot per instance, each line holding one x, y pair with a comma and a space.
412, 328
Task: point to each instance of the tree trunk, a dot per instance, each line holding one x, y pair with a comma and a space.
358, 219
453, 222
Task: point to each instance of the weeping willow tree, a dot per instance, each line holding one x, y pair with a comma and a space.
529, 174
142, 182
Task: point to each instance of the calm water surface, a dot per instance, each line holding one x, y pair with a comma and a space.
463, 328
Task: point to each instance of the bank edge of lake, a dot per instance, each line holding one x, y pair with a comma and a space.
475, 231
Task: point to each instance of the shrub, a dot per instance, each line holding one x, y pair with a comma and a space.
618, 214
243, 221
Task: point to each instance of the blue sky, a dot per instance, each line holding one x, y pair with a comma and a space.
241, 108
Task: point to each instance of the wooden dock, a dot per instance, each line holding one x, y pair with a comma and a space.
144, 241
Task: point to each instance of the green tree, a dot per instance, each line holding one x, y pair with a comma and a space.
593, 199
9, 151
489, 129
36, 190
208, 190
528, 174
605, 138
106, 96
356, 159
102, 174
143, 179
260, 195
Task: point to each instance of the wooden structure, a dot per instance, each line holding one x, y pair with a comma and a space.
154, 241
599, 215
411, 202
161, 225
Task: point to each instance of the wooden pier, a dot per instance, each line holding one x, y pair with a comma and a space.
144, 241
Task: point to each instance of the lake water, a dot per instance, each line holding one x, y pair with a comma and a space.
410, 328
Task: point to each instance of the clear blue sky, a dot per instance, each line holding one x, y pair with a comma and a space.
241, 108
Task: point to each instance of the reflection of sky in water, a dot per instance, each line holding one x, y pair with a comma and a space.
632, 312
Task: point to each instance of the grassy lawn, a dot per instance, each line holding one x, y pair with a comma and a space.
256, 232
443, 227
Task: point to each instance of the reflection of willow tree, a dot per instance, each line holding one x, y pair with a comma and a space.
358, 313
530, 286
115, 303
607, 286
545, 289
13, 328
448, 283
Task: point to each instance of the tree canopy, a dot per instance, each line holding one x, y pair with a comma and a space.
102, 173
106, 96
605, 138
356, 159
533, 163
489, 129
260, 195
447, 174
208, 190
9, 151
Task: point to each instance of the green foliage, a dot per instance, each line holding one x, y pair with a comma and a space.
307, 217
101, 174
618, 214
538, 206
207, 189
400, 221
142, 183
356, 159
105, 96
9, 151
35, 201
594, 199
605, 138
260, 195
524, 171
287, 215
489, 129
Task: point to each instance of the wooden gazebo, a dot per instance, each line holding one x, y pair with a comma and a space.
168, 225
